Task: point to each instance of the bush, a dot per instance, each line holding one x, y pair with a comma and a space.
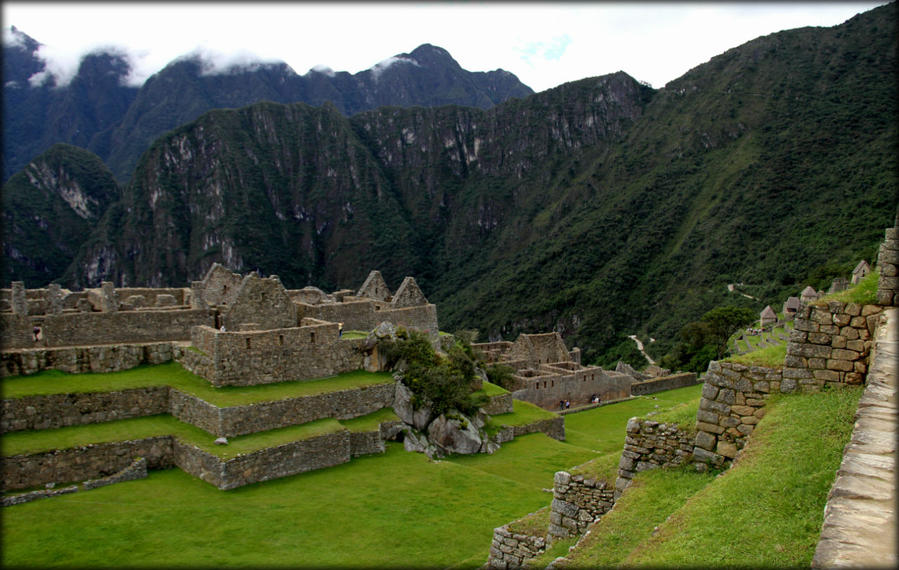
442, 383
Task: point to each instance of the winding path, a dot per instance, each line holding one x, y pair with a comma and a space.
634, 338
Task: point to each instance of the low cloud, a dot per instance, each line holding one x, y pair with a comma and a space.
220, 63
323, 69
382, 66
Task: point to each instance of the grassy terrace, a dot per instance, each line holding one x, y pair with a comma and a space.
389, 510
174, 375
137, 428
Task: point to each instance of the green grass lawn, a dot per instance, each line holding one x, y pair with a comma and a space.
603, 428
397, 509
173, 374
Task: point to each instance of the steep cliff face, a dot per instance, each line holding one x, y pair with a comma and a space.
49, 209
268, 186
323, 198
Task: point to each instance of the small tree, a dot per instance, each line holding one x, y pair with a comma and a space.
722, 322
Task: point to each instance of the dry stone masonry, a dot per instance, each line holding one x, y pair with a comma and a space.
512, 550
829, 345
888, 261
577, 502
649, 445
732, 403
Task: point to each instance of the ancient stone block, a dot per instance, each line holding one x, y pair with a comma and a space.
709, 391
729, 422
748, 420
819, 338
827, 375
841, 319
858, 322
726, 396
795, 361
742, 410
817, 363
707, 416
726, 449
838, 341
843, 354
855, 378
711, 428
861, 367
745, 429
843, 365
797, 373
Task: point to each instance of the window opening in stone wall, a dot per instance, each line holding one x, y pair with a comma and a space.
312, 337
248, 342
280, 340
552, 383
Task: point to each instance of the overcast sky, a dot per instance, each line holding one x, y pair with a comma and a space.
544, 44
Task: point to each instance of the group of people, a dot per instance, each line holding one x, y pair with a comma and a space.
566, 404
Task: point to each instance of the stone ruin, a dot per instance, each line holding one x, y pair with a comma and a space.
546, 373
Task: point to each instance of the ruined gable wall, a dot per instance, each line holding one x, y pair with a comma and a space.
261, 301
220, 285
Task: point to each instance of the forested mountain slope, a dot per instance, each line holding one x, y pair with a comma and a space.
600, 208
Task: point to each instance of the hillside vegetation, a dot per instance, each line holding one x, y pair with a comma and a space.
600, 208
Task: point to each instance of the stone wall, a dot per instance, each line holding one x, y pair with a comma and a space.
60, 410
247, 358
577, 386
83, 463
270, 463
553, 427
84, 359
366, 443
511, 549
888, 262
663, 383
364, 315
118, 327
342, 405
577, 502
649, 445
732, 403
499, 404
829, 344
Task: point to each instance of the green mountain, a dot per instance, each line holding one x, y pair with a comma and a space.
49, 209
599, 209
98, 111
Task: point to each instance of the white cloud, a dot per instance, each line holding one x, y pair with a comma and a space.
323, 69
656, 42
383, 65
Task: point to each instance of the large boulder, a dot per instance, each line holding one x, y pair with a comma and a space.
402, 403
455, 434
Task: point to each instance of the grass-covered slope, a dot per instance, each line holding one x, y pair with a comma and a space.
764, 512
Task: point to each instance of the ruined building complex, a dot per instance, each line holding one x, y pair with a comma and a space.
231, 330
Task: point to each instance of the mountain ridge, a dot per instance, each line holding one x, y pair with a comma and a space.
600, 208
118, 122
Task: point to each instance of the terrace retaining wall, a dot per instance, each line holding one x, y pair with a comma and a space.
829, 344
84, 462
649, 445
512, 550
577, 502
84, 359
663, 383
61, 410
